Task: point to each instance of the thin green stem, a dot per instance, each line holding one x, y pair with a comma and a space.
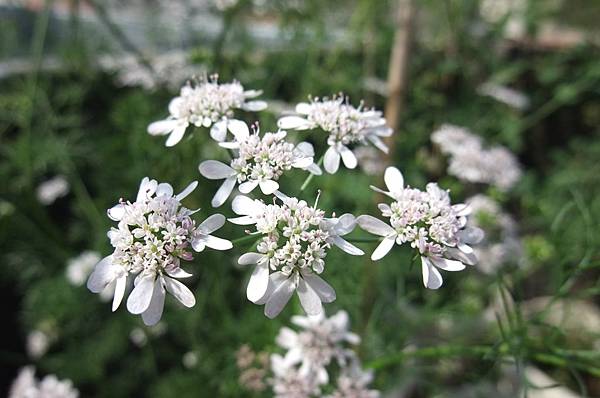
244, 239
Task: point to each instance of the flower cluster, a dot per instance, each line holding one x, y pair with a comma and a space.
501, 244
205, 103
428, 222
27, 386
80, 267
259, 161
153, 235
51, 190
346, 125
295, 238
471, 162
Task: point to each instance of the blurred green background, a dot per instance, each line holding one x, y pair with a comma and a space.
81, 80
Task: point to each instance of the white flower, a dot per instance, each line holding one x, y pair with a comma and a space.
259, 161
27, 386
429, 222
320, 342
205, 103
37, 344
80, 267
471, 162
506, 95
294, 240
346, 125
288, 382
353, 382
52, 189
154, 234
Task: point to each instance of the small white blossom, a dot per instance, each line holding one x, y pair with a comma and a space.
470, 161
52, 189
37, 344
429, 223
205, 103
154, 234
506, 95
27, 386
80, 267
346, 125
289, 382
353, 382
259, 161
294, 242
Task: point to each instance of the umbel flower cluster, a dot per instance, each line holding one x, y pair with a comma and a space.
205, 103
347, 126
294, 241
258, 162
27, 386
429, 223
154, 234
318, 356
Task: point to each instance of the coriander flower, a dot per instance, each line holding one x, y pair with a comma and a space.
429, 223
205, 103
320, 341
346, 125
259, 161
354, 382
289, 382
293, 241
154, 234
27, 386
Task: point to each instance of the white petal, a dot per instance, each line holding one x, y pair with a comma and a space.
348, 157
279, 298
238, 128
218, 243
347, 246
309, 299
119, 292
303, 108
199, 243
306, 148
250, 258
102, 276
268, 186
244, 220
140, 296
259, 280
215, 170
466, 258
180, 292
147, 189
164, 189
302, 162
177, 273
378, 143
254, 106
218, 131
322, 288
248, 186
293, 123
447, 265
331, 161
394, 181
223, 192
211, 224
431, 276
188, 190
174, 106
116, 212
275, 280
314, 169
374, 225
471, 235
243, 205
345, 224
384, 247
154, 312
252, 93
162, 127
465, 248
176, 135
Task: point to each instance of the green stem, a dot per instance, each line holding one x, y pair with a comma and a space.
311, 175
244, 239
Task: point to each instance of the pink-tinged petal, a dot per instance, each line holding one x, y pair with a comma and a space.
162, 127
374, 225
188, 190
303, 108
258, 283
394, 181
293, 123
120, 286
254, 106
348, 157
140, 296
331, 160
244, 206
102, 276
347, 246
268, 186
248, 186
223, 192
164, 189
251, 258
154, 312
322, 288
309, 299
211, 224
238, 128
384, 247
116, 212
215, 170
432, 279
218, 131
218, 243
176, 135
279, 298
447, 265
180, 292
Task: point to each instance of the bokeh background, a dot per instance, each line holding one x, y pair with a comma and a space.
81, 80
